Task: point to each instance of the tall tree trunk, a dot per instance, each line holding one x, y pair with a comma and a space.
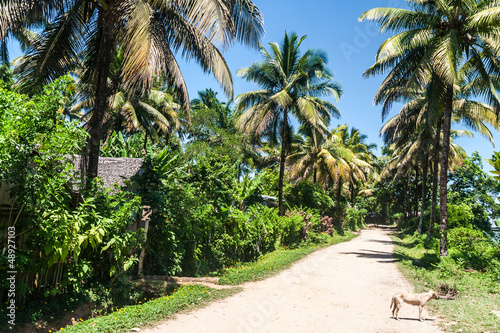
351, 186
422, 204
435, 180
443, 179
146, 216
102, 93
414, 212
145, 143
339, 201
281, 211
406, 205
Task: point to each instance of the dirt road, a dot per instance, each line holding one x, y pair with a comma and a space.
343, 288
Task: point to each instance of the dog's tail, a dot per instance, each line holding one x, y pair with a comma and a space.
392, 302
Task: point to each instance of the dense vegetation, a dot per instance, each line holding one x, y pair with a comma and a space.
201, 190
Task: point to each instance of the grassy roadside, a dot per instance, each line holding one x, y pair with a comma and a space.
187, 297
195, 296
479, 293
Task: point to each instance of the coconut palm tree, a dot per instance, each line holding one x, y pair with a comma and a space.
291, 83
441, 36
418, 127
363, 161
150, 32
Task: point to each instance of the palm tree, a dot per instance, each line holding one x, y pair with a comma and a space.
213, 118
441, 36
292, 83
363, 161
150, 32
155, 114
417, 127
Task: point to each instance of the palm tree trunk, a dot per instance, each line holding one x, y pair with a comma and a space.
352, 192
107, 44
435, 180
339, 201
406, 205
415, 202
443, 179
281, 211
422, 204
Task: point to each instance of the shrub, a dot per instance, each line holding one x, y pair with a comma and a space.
460, 215
309, 195
326, 225
355, 218
298, 225
471, 249
292, 225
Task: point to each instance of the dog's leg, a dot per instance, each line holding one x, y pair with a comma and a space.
420, 308
397, 304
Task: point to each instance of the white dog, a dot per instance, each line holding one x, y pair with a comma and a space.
414, 299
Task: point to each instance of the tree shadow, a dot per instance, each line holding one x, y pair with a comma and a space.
381, 241
382, 256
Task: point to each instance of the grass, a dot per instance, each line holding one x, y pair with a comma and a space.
479, 293
194, 296
122, 320
274, 262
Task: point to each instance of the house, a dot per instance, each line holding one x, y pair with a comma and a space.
269, 201
111, 170
115, 169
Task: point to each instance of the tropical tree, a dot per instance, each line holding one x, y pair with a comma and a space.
363, 161
416, 130
150, 32
442, 36
291, 83
154, 114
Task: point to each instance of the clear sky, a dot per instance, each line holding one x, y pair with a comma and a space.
331, 25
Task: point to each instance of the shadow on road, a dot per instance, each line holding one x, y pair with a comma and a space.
381, 241
386, 257
415, 319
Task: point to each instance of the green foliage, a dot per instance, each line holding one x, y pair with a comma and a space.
460, 215
298, 225
292, 226
471, 249
247, 192
472, 187
355, 218
118, 145
495, 163
309, 195
33, 131
78, 243
6, 79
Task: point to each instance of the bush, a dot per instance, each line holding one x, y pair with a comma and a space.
471, 249
292, 225
298, 225
308, 195
460, 215
355, 218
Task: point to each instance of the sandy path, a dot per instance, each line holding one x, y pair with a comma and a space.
343, 288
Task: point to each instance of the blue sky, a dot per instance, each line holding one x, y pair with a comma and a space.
331, 25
